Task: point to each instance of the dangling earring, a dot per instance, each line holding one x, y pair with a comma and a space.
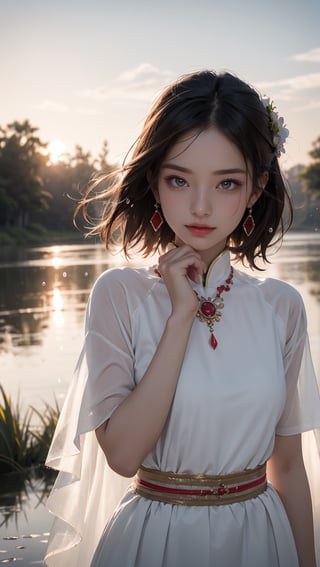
156, 220
249, 224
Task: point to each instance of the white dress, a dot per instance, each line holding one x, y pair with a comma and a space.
228, 406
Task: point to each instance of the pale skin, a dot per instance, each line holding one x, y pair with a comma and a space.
204, 187
287, 473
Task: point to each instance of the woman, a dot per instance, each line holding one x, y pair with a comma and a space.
194, 377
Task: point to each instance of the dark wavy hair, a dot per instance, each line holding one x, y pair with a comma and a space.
194, 102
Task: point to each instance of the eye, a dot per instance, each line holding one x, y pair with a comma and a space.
176, 182
229, 184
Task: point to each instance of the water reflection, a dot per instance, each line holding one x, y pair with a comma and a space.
38, 285
24, 519
299, 259
43, 293
14, 491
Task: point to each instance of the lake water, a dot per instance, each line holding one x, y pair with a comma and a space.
43, 294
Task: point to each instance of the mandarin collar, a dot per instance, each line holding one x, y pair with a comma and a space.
218, 270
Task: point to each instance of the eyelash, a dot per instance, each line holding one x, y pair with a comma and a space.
235, 182
171, 180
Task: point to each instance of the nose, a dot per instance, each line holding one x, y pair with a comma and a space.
201, 205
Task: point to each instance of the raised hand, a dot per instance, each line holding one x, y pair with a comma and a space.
175, 266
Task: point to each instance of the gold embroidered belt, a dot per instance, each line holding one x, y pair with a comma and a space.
200, 489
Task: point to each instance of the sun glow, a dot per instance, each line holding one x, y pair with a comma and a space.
56, 151
57, 307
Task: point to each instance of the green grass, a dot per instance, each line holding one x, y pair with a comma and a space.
22, 446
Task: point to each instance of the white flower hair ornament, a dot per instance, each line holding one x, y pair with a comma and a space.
277, 126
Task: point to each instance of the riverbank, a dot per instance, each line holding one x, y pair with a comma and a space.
38, 235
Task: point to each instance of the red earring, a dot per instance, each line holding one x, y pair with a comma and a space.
249, 224
156, 220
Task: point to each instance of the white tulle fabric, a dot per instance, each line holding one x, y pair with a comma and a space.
228, 406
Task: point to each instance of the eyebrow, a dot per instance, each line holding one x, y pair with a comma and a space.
177, 167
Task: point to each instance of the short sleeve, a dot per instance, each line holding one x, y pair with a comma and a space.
108, 357
302, 407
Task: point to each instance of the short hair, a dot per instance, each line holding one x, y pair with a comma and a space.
196, 102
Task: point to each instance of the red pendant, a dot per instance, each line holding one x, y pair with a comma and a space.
248, 225
208, 309
213, 342
156, 220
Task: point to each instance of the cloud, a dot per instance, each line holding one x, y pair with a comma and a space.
86, 111
143, 82
53, 106
287, 89
312, 105
144, 77
312, 56
138, 84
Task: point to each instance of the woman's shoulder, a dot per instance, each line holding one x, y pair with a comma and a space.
121, 290
127, 275
283, 296
125, 281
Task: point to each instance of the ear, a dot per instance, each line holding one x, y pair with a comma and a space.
262, 182
152, 186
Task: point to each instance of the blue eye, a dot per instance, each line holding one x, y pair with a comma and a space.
229, 184
176, 181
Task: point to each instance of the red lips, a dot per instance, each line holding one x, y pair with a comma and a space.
200, 229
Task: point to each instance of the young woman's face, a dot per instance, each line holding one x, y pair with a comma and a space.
204, 187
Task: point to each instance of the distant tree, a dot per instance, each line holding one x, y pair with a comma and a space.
301, 199
293, 176
58, 182
34, 191
66, 182
102, 163
310, 175
83, 168
21, 185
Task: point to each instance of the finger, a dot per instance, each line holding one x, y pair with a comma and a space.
194, 274
177, 252
186, 263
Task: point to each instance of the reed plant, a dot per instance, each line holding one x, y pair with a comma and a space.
21, 445
42, 437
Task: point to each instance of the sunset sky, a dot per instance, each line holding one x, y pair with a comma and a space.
83, 71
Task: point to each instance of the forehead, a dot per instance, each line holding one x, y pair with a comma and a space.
208, 148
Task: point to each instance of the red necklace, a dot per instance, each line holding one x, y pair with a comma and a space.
209, 309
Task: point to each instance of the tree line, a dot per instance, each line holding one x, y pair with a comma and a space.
37, 194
